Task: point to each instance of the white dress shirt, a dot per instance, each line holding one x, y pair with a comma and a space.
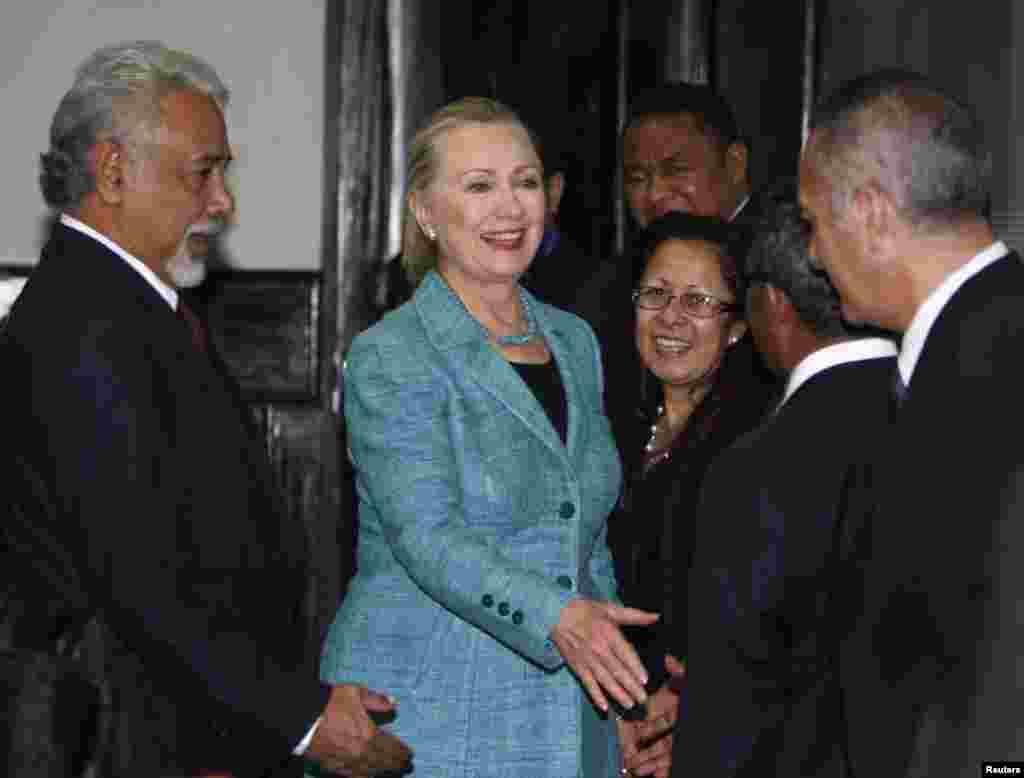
836, 354
170, 294
924, 318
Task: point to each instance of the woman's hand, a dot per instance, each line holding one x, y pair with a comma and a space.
590, 641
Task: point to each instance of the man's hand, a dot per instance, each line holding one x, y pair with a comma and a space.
651, 751
590, 641
347, 742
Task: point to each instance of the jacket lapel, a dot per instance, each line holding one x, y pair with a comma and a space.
454, 332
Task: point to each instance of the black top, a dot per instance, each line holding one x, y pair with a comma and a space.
546, 385
651, 532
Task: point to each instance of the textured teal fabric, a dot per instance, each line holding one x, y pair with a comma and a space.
477, 525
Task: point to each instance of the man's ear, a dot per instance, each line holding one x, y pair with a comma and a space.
110, 167
875, 215
780, 307
736, 161
554, 187
777, 302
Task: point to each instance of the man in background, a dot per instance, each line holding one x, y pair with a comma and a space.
682, 151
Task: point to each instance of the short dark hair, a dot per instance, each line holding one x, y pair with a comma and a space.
779, 256
924, 146
713, 115
732, 241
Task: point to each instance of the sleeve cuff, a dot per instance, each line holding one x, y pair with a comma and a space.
300, 749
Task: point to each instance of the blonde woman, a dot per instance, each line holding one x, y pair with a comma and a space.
484, 598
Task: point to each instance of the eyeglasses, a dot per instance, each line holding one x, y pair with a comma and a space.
696, 304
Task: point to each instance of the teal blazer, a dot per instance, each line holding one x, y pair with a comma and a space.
476, 527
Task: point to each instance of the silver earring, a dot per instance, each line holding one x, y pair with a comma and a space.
732, 341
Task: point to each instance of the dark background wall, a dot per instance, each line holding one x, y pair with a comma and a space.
969, 48
758, 64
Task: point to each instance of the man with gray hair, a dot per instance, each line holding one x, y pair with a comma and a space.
895, 180
759, 700
162, 500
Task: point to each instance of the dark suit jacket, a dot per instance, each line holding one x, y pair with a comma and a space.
759, 700
930, 674
168, 510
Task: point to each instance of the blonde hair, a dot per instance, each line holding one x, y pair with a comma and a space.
419, 253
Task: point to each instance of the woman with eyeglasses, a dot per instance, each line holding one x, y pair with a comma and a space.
688, 304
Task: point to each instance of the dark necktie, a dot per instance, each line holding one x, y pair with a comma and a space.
195, 326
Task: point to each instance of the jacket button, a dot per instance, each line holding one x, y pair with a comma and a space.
567, 511
517, 618
564, 581
503, 609
487, 601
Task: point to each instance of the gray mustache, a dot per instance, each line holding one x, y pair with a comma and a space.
207, 229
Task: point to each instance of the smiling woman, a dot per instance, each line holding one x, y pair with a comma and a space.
485, 595
689, 318
487, 207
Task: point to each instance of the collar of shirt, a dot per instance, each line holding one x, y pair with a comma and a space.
740, 207
836, 354
166, 292
924, 318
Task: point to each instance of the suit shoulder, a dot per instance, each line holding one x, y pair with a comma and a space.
847, 391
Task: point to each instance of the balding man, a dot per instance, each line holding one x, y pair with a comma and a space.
895, 181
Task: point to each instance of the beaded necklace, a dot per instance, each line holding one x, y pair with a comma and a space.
652, 457
531, 326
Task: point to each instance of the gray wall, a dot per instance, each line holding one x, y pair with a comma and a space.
270, 54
